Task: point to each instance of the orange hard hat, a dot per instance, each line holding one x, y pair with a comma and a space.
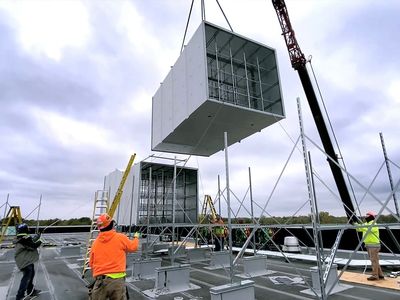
371, 213
103, 221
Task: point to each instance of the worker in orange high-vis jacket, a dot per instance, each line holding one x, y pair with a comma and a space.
108, 261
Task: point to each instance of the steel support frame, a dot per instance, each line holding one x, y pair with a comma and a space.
255, 225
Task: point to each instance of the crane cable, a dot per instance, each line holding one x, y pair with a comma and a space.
338, 147
203, 17
187, 25
226, 19
333, 132
182, 46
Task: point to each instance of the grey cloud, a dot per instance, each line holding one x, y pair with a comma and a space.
95, 83
379, 43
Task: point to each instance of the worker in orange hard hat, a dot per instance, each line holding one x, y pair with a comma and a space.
372, 242
103, 221
108, 260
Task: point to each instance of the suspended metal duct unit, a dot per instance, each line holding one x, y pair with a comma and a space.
221, 82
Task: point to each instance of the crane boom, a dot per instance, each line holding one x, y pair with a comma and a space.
298, 62
297, 57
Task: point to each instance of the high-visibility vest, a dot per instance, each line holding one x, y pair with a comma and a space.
372, 237
219, 231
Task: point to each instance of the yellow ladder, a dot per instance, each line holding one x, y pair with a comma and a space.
14, 214
101, 201
102, 206
118, 194
208, 203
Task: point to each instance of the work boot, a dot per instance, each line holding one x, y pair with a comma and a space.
27, 297
373, 277
32, 294
36, 292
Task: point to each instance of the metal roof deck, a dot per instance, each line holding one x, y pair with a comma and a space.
59, 278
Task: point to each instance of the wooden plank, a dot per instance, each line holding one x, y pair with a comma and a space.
389, 283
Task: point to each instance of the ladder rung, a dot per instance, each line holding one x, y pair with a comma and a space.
101, 201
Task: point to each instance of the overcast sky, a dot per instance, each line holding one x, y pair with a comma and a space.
77, 79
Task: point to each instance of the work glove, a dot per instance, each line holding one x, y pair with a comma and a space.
137, 235
353, 220
37, 238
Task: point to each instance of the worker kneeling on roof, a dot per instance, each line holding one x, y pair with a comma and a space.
108, 260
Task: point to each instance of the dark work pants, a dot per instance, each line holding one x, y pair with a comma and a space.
219, 244
108, 288
26, 284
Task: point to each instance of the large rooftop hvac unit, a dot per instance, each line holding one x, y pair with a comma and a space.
221, 82
156, 194
148, 194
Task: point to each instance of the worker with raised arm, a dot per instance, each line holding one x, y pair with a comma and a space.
108, 260
26, 254
372, 243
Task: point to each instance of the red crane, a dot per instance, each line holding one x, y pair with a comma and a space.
299, 61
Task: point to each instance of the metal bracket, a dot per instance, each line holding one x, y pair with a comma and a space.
234, 291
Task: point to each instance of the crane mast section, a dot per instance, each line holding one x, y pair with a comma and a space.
297, 57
